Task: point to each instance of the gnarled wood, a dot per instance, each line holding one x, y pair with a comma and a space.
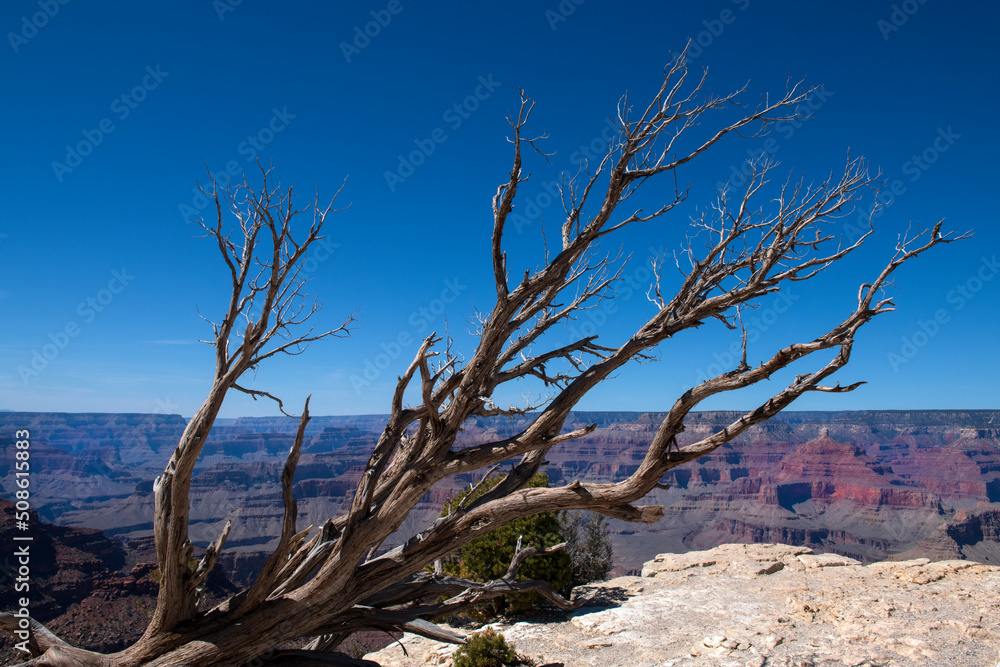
335, 581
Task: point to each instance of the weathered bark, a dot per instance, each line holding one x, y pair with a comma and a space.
332, 583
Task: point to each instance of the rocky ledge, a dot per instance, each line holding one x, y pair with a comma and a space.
763, 605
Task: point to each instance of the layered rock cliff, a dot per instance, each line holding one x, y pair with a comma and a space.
89, 589
865, 484
80, 583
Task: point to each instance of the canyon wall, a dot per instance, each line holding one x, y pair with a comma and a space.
870, 485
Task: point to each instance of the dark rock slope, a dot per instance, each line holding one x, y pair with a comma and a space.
89, 589
79, 584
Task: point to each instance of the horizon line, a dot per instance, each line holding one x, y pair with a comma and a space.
5, 411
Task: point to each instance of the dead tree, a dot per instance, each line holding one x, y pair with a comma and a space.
321, 585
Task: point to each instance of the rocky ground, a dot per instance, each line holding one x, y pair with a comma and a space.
763, 605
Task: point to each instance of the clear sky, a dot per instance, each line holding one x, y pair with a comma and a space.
110, 110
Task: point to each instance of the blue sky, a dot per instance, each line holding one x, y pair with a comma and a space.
103, 278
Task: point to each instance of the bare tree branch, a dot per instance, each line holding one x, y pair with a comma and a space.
755, 239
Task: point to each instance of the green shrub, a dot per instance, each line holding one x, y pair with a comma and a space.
487, 558
488, 649
588, 544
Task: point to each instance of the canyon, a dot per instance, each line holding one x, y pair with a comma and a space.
870, 486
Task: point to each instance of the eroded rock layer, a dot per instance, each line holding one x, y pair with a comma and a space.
869, 485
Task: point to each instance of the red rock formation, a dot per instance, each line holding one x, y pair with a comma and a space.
868, 483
